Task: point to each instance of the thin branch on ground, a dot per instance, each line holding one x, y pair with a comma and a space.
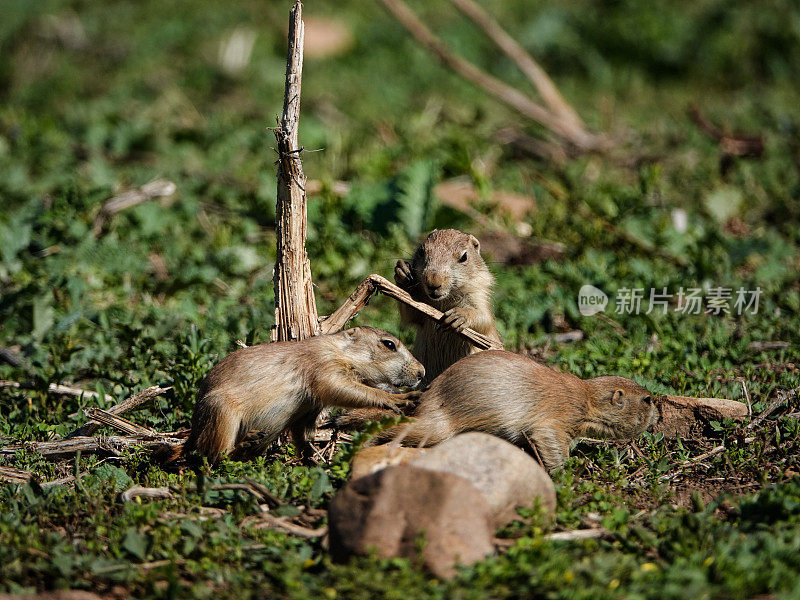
55, 388
128, 404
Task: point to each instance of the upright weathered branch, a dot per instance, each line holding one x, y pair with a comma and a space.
295, 306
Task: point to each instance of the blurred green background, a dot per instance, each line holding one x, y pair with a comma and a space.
98, 97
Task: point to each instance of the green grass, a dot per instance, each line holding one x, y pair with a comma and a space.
140, 95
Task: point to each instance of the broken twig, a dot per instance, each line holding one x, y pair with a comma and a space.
129, 199
56, 388
128, 404
375, 283
150, 493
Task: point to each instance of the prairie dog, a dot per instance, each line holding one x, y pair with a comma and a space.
448, 273
270, 387
520, 400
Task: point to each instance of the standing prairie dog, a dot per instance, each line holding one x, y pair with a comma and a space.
522, 401
271, 387
448, 273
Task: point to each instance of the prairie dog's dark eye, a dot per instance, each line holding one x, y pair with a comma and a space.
389, 344
647, 399
463, 258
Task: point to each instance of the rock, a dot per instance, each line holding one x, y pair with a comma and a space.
679, 415
392, 510
506, 476
375, 458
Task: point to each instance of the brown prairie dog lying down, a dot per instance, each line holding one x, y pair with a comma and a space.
448, 273
271, 387
520, 400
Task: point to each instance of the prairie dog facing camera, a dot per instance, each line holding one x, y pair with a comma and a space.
448, 273
280, 385
525, 402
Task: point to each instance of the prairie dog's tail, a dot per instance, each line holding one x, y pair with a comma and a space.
215, 429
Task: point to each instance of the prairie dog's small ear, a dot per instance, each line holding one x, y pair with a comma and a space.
475, 243
351, 334
617, 397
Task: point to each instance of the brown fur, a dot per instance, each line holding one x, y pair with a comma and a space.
270, 387
517, 399
461, 289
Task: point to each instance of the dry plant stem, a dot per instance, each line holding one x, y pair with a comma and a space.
271, 499
502, 91
272, 522
295, 306
56, 388
112, 444
124, 406
736, 145
781, 398
158, 493
124, 425
578, 534
12, 475
375, 283
154, 189
701, 457
524, 61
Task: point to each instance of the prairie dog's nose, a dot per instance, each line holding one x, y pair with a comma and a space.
434, 282
420, 373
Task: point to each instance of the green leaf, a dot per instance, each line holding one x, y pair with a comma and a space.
135, 543
286, 510
107, 473
724, 202
321, 486
191, 528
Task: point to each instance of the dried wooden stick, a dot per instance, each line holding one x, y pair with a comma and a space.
500, 90
55, 388
271, 499
240, 487
524, 61
578, 534
129, 199
12, 475
113, 444
273, 522
128, 404
295, 306
124, 425
781, 397
736, 145
136, 491
375, 283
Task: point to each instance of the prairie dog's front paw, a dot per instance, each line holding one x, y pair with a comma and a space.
393, 407
458, 319
407, 398
402, 274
